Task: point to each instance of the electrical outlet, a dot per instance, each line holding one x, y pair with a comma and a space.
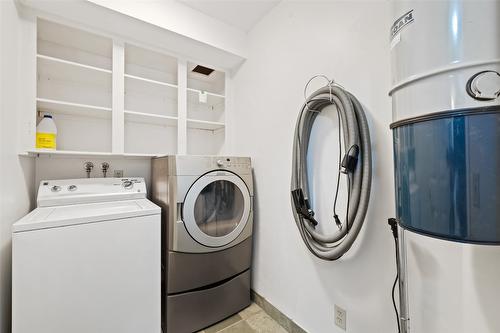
118, 173
340, 317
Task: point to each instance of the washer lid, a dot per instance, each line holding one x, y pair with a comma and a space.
61, 216
216, 208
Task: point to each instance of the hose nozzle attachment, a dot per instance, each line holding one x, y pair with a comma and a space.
303, 207
350, 160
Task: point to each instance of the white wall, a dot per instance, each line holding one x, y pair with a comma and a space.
17, 180
348, 41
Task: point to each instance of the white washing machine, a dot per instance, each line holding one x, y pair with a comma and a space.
207, 204
87, 260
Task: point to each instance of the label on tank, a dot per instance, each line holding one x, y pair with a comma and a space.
401, 23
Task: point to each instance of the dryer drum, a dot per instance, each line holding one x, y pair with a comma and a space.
217, 208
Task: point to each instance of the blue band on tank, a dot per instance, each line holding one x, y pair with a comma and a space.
447, 174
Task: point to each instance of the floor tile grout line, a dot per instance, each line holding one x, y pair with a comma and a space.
261, 310
241, 319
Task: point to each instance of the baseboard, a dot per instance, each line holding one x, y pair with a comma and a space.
276, 314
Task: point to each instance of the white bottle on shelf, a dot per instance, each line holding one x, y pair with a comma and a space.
46, 133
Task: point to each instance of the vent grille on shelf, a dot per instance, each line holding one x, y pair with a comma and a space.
203, 70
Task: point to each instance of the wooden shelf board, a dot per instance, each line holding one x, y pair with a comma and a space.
143, 79
213, 100
150, 118
47, 152
69, 108
207, 92
204, 124
72, 63
140, 155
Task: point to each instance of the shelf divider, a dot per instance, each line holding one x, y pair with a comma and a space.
182, 106
118, 100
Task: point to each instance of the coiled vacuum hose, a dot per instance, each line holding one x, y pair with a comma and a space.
356, 164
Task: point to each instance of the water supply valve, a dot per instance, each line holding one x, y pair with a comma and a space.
88, 166
104, 168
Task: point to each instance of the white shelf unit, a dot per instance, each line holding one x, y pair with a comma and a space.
74, 86
206, 105
109, 97
151, 94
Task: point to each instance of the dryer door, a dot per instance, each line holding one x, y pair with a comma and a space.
216, 208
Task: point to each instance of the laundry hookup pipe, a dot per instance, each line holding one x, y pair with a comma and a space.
356, 165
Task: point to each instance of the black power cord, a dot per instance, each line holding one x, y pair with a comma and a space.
347, 166
394, 302
335, 215
394, 228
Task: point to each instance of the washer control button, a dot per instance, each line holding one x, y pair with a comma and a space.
55, 188
220, 163
72, 188
128, 184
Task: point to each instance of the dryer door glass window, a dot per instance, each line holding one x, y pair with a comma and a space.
219, 208
216, 208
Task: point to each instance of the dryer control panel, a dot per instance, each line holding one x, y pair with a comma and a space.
186, 165
233, 163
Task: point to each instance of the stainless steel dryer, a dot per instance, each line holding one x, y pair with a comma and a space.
207, 213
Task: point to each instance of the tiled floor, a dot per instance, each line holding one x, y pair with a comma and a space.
251, 320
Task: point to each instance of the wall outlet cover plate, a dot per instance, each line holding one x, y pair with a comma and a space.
340, 317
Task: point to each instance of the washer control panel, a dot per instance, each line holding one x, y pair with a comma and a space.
70, 191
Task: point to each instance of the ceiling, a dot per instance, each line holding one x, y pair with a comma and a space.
242, 14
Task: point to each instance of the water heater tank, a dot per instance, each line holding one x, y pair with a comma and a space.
446, 111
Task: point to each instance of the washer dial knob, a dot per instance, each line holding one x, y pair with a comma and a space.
55, 188
128, 184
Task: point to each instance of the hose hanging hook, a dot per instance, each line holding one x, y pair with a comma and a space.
329, 84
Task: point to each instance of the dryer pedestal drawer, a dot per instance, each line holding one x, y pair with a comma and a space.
188, 271
193, 311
